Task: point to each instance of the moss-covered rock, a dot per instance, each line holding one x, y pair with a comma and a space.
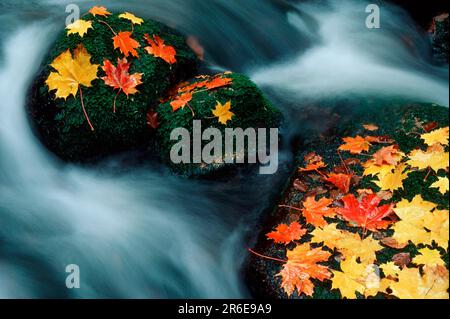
402, 122
61, 123
251, 110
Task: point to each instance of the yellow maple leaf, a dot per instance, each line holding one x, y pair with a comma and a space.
413, 210
442, 184
370, 168
411, 224
222, 112
80, 26
429, 257
434, 158
437, 222
437, 136
412, 285
351, 245
393, 180
131, 17
72, 73
329, 235
347, 243
390, 269
355, 277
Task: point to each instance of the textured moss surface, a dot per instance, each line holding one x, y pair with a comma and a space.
62, 124
250, 108
394, 118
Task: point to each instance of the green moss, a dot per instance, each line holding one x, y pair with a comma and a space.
62, 124
251, 110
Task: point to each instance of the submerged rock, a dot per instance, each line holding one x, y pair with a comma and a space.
400, 121
61, 123
249, 108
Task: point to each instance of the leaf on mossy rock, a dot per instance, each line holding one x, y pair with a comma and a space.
159, 49
131, 17
355, 145
126, 44
223, 112
285, 234
79, 27
99, 11
301, 267
119, 77
366, 213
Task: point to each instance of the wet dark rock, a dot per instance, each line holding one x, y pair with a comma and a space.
394, 118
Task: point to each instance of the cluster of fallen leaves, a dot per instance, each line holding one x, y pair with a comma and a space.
182, 94
339, 223
72, 72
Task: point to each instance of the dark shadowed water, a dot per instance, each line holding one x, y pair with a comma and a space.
143, 232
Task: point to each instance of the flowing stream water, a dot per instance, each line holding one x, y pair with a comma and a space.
141, 232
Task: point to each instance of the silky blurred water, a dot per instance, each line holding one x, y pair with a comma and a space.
141, 232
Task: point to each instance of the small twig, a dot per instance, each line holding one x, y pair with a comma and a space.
320, 173
84, 111
266, 257
343, 163
428, 174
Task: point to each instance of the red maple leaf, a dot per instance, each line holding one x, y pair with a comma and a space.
365, 213
119, 77
284, 234
341, 181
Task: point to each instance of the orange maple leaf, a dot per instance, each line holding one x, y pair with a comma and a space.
355, 145
366, 213
99, 11
126, 44
315, 211
386, 155
217, 83
313, 167
370, 127
284, 234
181, 101
119, 78
341, 181
159, 49
301, 267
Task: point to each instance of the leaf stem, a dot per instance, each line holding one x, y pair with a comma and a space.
84, 110
290, 207
266, 257
192, 111
105, 23
115, 99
